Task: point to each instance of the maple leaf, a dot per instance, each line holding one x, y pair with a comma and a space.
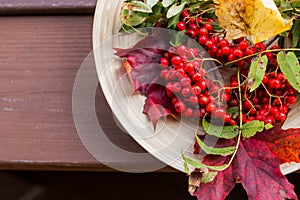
142, 65
255, 167
284, 143
259, 19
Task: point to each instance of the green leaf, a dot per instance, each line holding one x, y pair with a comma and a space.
290, 67
268, 126
296, 4
251, 128
152, 3
215, 151
208, 177
285, 5
186, 168
175, 10
257, 71
167, 3
233, 111
199, 165
226, 132
137, 6
132, 19
296, 33
173, 21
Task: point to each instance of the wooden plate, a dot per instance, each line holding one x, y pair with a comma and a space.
171, 136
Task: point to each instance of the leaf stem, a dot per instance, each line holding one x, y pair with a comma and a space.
241, 121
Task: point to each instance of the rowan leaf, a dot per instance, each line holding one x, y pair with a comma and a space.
284, 143
137, 6
296, 32
251, 128
290, 67
132, 19
198, 164
259, 19
175, 10
256, 167
226, 132
208, 177
257, 71
152, 3
167, 3
225, 151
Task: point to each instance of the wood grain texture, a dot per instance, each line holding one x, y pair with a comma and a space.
46, 6
39, 59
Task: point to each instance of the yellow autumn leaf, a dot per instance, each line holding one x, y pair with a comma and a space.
259, 19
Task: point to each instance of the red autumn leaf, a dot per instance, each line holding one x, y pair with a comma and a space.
143, 66
256, 167
157, 104
284, 143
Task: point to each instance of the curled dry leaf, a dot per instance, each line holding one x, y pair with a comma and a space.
259, 19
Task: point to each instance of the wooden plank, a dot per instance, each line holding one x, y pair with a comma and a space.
39, 59
46, 7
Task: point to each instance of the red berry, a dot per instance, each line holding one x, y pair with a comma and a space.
202, 85
234, 83
269, 56
202, 31
233, 102
259, 47
249, 51
210, 108
186, 92
196, 90
232, 122
192, 33
247, 104
219, 113
193, 100
180, 26
203, 39
185, 82
226, 50
188, 112
181, 50
193, 27
277, 102
184, 14
280, 116
189, 68
223, 43
227, 118
284, 109
291, 99
176, 60
274, 110
204, 100
180, 107
164, 62
226, 97
281, 77
243, 45
274, 83
197, 77
202, 71
241, 63
176, 87
269, 120
208, 26
265, 79
237, 53
260, 117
